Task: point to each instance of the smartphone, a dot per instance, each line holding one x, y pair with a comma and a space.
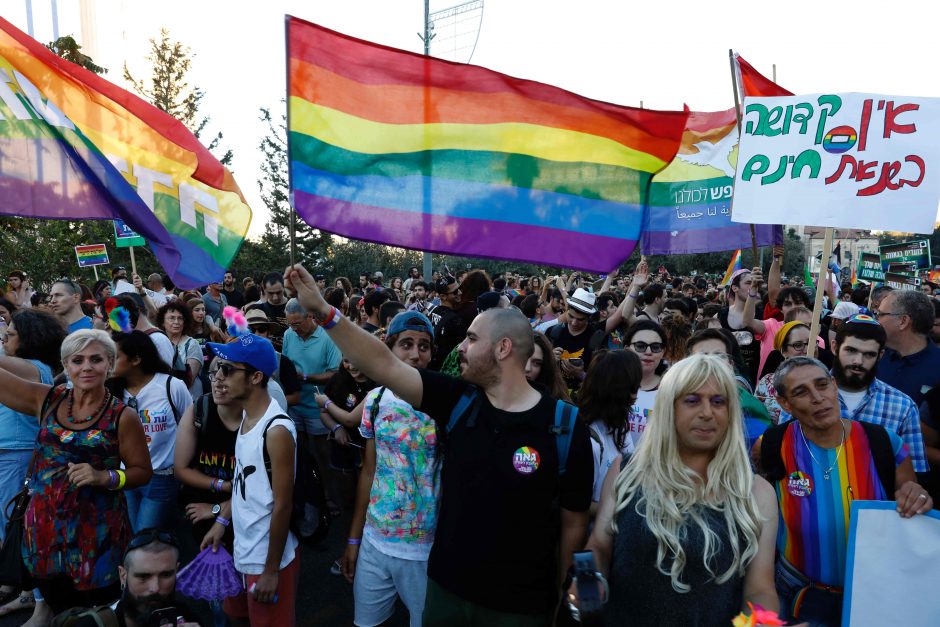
577, 362
163, 617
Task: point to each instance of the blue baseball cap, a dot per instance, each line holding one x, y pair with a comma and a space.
249, 349
410, 321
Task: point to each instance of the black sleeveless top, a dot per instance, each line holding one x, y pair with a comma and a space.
641, 595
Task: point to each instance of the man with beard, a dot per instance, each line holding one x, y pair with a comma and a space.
229, 290
273, 305
449, 327
148, 581
516, 482
858, 347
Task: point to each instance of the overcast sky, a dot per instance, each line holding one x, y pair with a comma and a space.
664, 54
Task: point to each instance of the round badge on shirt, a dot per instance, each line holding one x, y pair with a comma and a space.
799, 484
526, 460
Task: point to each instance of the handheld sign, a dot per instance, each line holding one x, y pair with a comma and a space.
125, 236
870, 269
839, 160
92, 255
901, 281
917, 253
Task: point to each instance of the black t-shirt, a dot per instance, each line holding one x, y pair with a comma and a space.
498, 528
234, 298
574, 346
287, 375
749, 345
275, 313
450, 329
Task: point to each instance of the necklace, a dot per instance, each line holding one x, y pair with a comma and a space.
81, 421
828, 471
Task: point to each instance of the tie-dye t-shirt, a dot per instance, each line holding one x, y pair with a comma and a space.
406, 491
814, 511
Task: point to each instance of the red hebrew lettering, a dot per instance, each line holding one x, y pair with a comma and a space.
847, 160
888, 172
892, 112
863, 125
920, 164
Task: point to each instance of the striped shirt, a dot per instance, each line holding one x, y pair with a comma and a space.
814, 511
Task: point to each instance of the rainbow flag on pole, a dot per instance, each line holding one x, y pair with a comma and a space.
397, 148
733, 266
75, 147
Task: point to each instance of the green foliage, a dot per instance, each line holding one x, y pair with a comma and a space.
169, 90
67, 48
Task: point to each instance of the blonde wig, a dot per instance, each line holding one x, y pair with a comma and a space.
669, 494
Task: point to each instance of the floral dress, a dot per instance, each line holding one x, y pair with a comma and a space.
767, 394
76, 533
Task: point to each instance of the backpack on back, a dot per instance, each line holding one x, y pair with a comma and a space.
310, 517
103, 616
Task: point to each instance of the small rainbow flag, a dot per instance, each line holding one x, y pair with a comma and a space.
91, 255
402, 149
77, 147
733, 266
854, 278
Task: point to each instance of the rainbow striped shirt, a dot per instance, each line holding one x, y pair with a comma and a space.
814, 511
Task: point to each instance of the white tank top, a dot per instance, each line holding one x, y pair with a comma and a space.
252, 497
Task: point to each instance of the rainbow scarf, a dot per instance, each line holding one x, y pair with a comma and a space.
74, 147
733, 266
402, 149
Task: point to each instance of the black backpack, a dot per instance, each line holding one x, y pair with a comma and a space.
773, 469
310, 517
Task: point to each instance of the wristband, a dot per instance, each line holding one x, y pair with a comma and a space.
631, 295
354, 541
333, 319
333, 430
112, 480
753, 295
222, 521
215, 485
326, 404
122, 478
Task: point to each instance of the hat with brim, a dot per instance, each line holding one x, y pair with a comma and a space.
249, 349
257, 318
583, 301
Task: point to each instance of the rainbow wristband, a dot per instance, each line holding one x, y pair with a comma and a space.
333, 319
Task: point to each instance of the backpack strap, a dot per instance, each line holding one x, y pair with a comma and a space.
771, 462
264, 443
169, 398
201, 413
565, 416
883, 456
470, 397
374, 409
597, 438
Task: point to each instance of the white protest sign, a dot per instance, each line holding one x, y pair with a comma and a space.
842, 160
893, 567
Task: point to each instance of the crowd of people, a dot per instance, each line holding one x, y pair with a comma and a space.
480, 431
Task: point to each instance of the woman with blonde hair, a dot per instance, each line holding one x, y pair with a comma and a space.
685, 532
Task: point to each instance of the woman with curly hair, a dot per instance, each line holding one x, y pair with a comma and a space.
686, 532
176, 320
344, 284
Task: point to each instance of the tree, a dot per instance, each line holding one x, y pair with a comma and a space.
67, 48
169, 91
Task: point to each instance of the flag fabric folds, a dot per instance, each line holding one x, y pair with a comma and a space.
73, 146
397, 148
753, 83
733, 266
690, 200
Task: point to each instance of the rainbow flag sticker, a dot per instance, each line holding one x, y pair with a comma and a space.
92, 255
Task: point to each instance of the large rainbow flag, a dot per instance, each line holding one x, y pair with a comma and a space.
74, 146
397, 148
690, 200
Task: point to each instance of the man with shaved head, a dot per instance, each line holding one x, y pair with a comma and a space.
517, 473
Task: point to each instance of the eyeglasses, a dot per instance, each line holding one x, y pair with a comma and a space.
641, 347
879, 314
226, 370
797, 345
148, 536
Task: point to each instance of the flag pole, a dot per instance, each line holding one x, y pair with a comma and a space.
133, 262
292, 227
737, 112
820, 288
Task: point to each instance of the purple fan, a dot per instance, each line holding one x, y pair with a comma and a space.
210, 576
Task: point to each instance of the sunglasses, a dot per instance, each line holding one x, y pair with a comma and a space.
226, 370
148, 536
641, 347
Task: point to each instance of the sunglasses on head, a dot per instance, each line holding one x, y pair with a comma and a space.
148, 536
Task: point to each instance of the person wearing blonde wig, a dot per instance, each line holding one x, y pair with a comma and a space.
685, 531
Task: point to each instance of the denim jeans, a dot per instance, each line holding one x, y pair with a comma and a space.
817, 608
13, 466
153, 505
